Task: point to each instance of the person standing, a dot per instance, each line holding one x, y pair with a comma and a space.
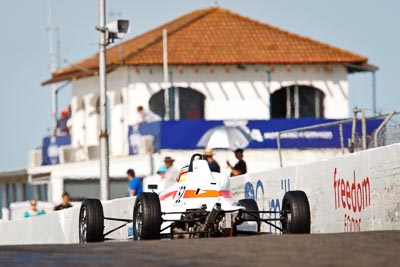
65, 202
161, 172
212, 164
240, 167
33, 211
62, 124
135, 184
172, 173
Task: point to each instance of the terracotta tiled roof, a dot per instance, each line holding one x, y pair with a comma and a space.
214, 36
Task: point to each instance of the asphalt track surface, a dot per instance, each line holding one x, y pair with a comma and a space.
352, 249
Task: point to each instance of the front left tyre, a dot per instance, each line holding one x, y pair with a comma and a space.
91, 221
252, 211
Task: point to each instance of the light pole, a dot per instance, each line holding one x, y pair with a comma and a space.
53, 63
104, 154
114, 30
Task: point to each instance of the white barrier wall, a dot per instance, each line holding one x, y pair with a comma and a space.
55, 227
63, 226
357, 192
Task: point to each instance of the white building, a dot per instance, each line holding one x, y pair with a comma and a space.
222, 66
216, 59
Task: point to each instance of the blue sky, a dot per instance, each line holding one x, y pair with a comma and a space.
366, 27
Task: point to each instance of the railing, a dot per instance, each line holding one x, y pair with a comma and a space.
389, 131
361, 137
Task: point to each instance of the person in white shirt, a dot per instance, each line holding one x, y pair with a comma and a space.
145, 116
161, 172
172, 173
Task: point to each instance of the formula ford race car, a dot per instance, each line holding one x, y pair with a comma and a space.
199, 204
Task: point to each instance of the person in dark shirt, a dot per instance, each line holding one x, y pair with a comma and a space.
208, 155
65, 202
63, 124
240, 167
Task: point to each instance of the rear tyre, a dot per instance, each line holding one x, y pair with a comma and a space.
147, 217
251, 205
295, 213
91, 221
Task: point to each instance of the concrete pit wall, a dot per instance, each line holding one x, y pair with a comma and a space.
357, 192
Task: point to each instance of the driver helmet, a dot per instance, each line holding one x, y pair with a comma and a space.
183, 174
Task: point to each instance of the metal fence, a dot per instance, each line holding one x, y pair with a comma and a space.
361, 138
390, 132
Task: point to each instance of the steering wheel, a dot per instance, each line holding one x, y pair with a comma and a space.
192, 159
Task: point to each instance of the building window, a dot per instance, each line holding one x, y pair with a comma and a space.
79, 189
189, 101
95, 105
81, 104
42, 190
191, 104
297, 101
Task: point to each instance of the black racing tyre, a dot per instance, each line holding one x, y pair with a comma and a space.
91, 221
295, 213
251, 205
147, 217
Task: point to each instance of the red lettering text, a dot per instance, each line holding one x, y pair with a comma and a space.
353, 197
351, 224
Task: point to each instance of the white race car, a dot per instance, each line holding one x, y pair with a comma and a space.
199, 204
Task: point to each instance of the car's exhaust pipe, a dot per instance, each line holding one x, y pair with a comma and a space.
212, 216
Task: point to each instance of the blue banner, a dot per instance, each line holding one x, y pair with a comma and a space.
50, 148
185, 134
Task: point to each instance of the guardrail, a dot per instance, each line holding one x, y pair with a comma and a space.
351, 142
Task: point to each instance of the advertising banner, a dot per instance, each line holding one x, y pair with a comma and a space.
50, 148
184, 134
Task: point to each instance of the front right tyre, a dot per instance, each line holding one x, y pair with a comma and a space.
147, 218
295, 213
